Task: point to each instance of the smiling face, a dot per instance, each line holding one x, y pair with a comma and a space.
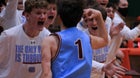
36, 18
110, 12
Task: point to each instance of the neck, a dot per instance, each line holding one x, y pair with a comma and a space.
29, 31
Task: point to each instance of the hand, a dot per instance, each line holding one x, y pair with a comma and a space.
116, 29
92, 14
111, 69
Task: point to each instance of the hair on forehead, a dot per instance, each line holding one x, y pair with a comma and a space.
30, 4
51, 1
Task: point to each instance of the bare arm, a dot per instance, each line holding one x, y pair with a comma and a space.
49, 47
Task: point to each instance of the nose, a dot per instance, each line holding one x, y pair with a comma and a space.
94, 22
43, 16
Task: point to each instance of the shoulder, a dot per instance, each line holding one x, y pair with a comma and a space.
14, 30
117, 18
52, 39
108, 20
51, 42
46, 31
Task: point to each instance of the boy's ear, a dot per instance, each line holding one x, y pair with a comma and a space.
26, 14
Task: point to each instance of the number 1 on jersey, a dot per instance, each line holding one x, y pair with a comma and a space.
79, 45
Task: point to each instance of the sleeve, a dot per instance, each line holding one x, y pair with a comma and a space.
96, 66
129, 34
108, 23
4, 54
10, 14
11, 7
126, 32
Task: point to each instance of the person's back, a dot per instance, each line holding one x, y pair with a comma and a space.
75, 54
61, 54
75, 50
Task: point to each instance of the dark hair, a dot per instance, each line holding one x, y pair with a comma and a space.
70, 11
114, 2
92, 3
30, 4
51, 1
111, 5
102, 10
1, 29
2, 2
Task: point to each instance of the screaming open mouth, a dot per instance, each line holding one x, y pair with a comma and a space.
50, 17
40, 23
95, 28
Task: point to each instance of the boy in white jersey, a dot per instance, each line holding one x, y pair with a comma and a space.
20, 49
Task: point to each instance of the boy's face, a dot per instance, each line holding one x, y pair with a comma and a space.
1, 7
92, 26
36, 18
51, 13
20, 5
110, 12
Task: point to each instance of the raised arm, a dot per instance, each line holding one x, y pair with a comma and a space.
11, 8
102, 39
10, 17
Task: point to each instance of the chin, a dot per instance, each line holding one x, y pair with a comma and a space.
51, 21
40, 28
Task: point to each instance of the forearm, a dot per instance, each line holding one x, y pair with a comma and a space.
46, 75
103, 31
46, 61
11, 9
46, 69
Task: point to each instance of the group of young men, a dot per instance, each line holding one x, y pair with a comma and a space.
29, 50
